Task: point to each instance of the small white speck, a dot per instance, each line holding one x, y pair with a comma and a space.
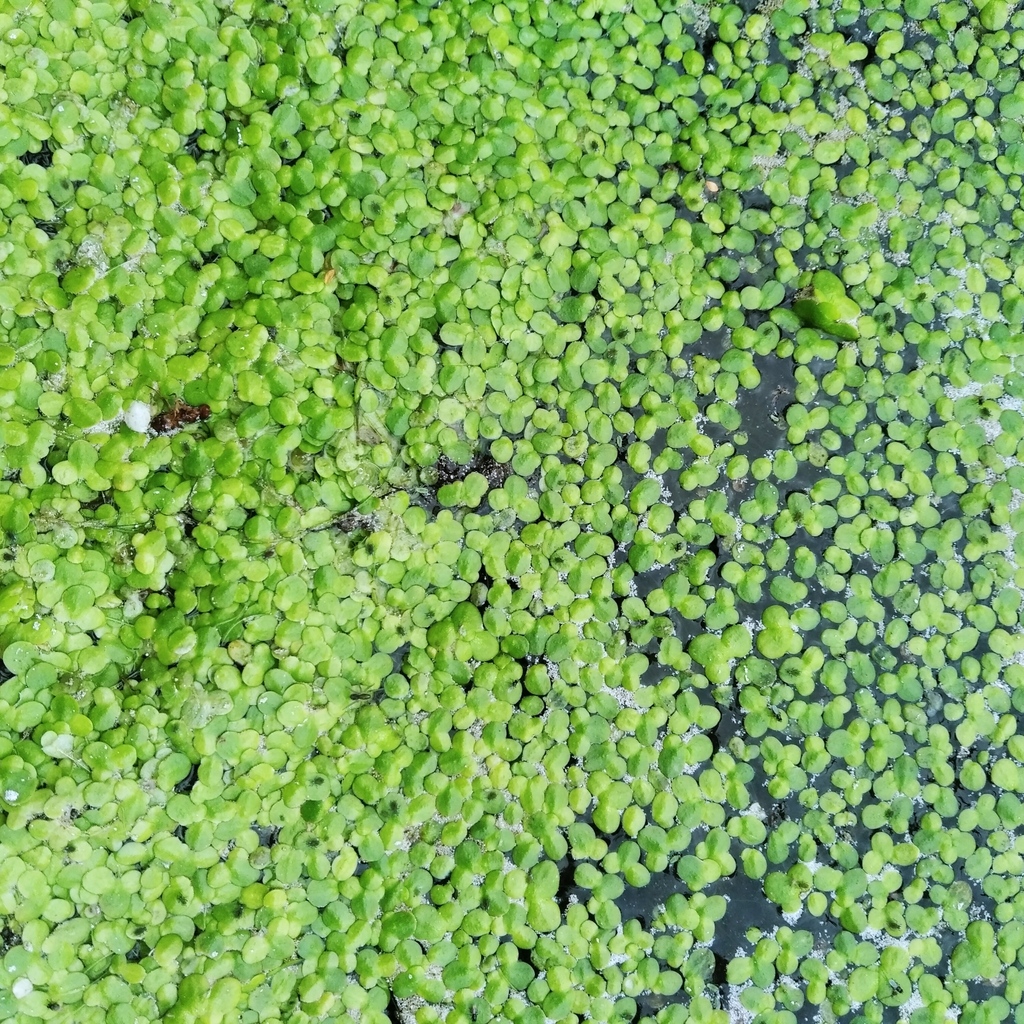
10, 795
21, 988
138, 416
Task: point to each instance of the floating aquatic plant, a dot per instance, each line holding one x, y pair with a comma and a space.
492, 495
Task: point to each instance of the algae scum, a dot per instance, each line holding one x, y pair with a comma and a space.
510, 512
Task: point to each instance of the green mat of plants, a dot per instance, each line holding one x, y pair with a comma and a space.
511, 512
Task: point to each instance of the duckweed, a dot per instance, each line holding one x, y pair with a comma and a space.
511, 511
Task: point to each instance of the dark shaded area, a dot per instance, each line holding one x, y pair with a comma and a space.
186, 784
355, 523
719, 971
729, 725
755, 199
391, 1010
567, 884
526, 957
867, 37
267, 834
398, 657
748, 908
43, 157
138, 952
762, 410
9, 938
635, 903
495, 473
188, 522
685, 629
